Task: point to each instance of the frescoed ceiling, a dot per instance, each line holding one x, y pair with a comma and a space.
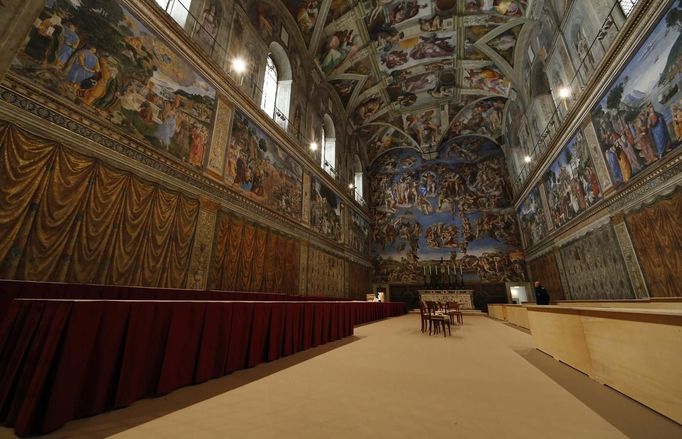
416, 73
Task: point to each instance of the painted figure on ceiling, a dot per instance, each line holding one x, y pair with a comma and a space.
432, 46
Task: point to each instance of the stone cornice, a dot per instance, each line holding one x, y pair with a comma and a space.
660, 180
80, 131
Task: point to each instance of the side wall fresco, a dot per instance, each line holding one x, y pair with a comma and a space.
133, 99
637, 139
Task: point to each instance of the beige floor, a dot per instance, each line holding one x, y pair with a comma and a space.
391, 381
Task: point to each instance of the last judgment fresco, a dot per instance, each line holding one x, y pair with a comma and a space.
99, 56
455, 209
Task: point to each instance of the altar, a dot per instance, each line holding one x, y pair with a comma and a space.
463, 297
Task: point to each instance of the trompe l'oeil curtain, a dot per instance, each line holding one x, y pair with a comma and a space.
656, 233
66, 217
360, 281
249, 257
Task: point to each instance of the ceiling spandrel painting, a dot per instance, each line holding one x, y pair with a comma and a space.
418, 68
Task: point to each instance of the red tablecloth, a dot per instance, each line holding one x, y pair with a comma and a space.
10, 289
62, 360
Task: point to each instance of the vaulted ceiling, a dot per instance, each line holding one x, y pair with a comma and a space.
422, 74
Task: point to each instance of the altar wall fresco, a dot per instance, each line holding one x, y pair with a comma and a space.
455, 208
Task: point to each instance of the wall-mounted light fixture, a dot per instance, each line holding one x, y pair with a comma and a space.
565, 92
239, 65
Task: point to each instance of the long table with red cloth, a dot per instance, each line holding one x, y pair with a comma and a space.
10, 289
65, 359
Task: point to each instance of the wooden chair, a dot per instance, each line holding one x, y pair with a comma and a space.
454, 311
437, 321
425, 316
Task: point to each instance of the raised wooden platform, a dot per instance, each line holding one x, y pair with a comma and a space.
634, 350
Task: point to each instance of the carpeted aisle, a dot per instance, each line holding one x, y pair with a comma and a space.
390, 382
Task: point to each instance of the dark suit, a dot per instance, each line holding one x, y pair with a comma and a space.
541, 296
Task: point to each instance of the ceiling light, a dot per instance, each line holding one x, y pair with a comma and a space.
238, 65
564, 92
313, 146
527, 159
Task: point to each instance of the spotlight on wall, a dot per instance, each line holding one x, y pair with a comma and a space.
313, 146
239, 65
527, 159
351, 186
565, 92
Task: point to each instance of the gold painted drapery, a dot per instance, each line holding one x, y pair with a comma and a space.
360, 281
656, 233
250, 257
546, 270
66, 217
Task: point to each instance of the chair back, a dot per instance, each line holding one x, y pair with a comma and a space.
454, 306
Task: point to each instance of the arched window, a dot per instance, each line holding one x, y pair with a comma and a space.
178, 9
269, 96
328, 156
276, 93
358, 180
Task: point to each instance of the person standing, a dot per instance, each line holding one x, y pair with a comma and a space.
541, 294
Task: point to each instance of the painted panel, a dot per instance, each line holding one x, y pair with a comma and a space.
306, 14
505, 43
639, 118
594, 267
509, 8
359, 233
325, 210
571, 182
262, 170
486, 77
99, 56
532, 218
341, 42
